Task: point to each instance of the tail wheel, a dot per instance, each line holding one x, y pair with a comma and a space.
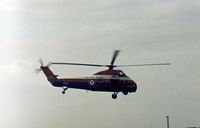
63, 92
64, 89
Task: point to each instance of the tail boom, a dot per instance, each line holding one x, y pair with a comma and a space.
49, 74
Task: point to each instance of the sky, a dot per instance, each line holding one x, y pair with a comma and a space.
146, 31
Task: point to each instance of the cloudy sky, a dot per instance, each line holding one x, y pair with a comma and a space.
87, 31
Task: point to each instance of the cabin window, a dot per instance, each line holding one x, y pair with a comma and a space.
121, 73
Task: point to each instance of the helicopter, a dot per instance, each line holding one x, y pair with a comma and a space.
109, 80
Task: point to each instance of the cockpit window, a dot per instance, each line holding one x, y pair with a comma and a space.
120, 73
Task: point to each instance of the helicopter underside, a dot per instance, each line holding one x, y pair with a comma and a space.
111, 85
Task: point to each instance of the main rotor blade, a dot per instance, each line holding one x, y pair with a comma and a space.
191, 127
144, 65
80, 64
115, 54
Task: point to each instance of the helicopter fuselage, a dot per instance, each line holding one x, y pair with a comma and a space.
109, 80
97, 84
105, 81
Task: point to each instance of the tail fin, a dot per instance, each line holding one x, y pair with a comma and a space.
49, 74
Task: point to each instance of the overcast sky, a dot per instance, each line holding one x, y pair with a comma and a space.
88, 31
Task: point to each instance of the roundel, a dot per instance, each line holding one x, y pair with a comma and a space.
91, 82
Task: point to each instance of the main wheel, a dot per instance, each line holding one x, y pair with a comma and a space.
125, 93
114, 96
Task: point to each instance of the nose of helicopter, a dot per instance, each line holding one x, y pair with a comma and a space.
133, 87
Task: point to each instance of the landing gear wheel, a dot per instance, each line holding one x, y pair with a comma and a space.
64, 89
125, 93
114, 96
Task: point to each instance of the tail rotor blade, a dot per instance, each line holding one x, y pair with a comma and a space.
49, 64
41, 62
38, 70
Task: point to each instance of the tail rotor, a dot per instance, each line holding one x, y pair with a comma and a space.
38, 70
